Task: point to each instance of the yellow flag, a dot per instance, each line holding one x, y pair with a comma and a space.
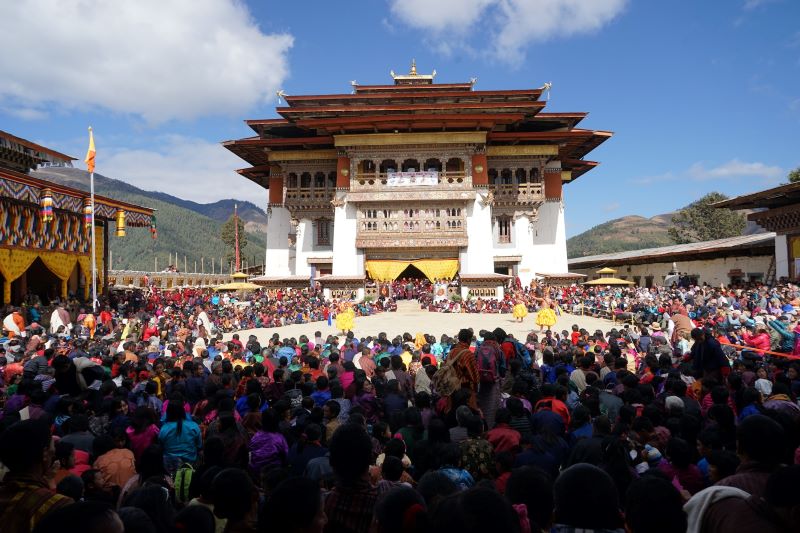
90, 153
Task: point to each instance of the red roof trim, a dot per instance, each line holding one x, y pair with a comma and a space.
34, 146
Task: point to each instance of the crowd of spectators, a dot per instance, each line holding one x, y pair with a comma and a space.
686, 420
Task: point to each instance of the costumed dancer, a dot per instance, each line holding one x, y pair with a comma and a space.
546, 316
90, 323
345, 317
520, 309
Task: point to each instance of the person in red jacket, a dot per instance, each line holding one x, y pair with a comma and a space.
759, 340
503, 437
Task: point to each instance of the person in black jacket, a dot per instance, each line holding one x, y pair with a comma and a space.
707, 355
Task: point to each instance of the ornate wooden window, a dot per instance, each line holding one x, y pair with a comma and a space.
323, 232
504, 229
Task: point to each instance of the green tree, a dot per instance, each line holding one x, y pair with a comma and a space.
228, 236
794, 175
700, 221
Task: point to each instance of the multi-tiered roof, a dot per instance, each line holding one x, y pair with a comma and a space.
414, 103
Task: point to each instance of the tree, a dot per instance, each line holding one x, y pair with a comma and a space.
794, 175
228, 236
700, 221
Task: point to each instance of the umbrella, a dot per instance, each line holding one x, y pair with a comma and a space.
237, 286
608, 281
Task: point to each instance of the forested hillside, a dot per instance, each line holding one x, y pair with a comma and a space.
183, 228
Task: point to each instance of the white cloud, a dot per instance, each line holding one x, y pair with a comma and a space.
189, 168
178, 59
735, 169
24, 113
503, 27
753, 4
731, 170
611, 207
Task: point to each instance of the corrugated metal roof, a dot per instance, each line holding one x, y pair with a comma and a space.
743, 241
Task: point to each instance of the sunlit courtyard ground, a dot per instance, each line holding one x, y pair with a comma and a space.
410, 318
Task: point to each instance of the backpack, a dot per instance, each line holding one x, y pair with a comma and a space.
446, 380
487, 363
521, 352
183, 480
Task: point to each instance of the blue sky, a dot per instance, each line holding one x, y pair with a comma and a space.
701, 96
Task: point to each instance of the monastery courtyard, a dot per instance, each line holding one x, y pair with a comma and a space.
410, 318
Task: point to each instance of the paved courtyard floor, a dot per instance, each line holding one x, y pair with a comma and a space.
410, 318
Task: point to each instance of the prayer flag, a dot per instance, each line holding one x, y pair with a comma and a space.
90, 153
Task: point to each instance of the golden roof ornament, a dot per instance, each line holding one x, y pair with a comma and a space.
413, 77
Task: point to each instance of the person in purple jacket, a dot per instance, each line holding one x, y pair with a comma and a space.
268, 446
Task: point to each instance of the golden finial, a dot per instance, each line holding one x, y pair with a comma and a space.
413, 68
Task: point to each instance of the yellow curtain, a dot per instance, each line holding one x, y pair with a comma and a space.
385, 270
13, 264
437, 268
59, 264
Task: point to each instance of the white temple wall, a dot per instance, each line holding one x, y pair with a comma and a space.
304, 247
277, 256
477, 258
781, 257
347, 259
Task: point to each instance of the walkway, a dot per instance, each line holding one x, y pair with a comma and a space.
410, 318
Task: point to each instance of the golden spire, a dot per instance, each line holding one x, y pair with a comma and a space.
413, 68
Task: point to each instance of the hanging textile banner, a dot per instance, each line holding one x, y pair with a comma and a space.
47, 205
434, 269
385, 270
437, 268
412, 179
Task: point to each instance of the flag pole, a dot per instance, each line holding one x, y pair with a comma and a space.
236, 233
94, 244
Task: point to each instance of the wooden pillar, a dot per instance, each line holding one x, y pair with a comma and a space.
552, 184
343, 172
276, 190
479, 163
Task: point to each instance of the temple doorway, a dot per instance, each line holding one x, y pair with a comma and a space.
38, 280
412, 272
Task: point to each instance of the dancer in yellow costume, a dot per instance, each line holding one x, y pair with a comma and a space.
546, 317
520, 309
90, 323
345, 317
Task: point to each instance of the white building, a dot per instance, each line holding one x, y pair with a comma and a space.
416, 178
722, 261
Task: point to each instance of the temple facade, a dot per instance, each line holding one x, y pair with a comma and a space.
45, 228
443, 177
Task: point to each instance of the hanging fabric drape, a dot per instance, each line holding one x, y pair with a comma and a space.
388, 270
13, 264
61, 265
87, 215
385, 270
120, 232
437, 268
47, 205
